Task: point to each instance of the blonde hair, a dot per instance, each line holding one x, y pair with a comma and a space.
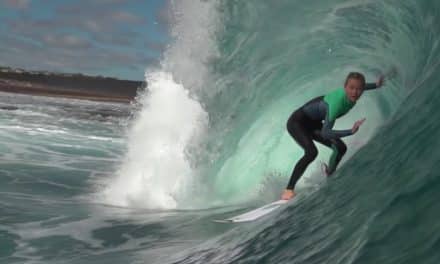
355, 75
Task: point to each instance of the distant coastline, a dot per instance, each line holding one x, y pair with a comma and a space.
78, 86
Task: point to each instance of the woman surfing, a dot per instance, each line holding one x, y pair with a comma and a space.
314, 121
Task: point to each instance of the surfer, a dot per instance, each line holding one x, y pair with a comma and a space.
315, 119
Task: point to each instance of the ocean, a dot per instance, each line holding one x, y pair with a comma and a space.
89, 182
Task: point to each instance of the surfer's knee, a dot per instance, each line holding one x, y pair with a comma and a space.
310, 154
341, 147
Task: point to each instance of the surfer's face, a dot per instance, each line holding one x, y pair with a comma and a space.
353, 89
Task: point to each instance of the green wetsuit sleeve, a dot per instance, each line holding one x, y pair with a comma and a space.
328, 133
370, 86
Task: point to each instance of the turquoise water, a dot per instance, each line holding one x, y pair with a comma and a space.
208, 141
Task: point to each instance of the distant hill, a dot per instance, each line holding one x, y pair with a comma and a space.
68, 85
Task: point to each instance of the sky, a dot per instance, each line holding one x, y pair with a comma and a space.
112, 38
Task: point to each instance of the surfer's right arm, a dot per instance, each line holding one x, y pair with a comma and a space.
375, 85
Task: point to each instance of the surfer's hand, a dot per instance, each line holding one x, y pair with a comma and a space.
380, 81
356, 125
287, 194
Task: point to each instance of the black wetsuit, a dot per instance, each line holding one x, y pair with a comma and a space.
306, 124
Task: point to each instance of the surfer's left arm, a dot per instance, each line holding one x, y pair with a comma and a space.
375, 85
328, 132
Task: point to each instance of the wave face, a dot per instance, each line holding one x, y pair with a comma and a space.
255, 63
381, 206
247, 66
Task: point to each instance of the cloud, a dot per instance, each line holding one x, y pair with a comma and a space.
109, 1
66, 41
104, 34
94, 60
97, 17
99, 22
154, 45
17, 4
111, 27
164, 16
126, 17
122, 38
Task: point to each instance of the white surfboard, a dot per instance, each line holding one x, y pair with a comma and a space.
254, 214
